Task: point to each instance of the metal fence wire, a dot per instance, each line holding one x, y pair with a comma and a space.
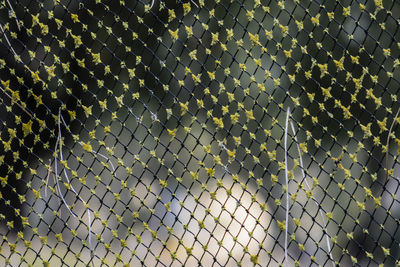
213, 133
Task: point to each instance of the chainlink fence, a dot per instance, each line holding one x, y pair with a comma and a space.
213, 133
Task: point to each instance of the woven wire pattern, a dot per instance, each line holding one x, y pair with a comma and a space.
153, 133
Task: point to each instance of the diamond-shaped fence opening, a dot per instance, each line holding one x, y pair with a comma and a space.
213, 133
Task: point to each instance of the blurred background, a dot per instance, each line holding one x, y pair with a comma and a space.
173, 118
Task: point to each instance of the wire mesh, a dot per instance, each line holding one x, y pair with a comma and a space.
223, 133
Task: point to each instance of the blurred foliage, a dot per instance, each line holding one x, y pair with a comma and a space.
169, 144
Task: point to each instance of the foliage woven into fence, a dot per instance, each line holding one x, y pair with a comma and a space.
199, 132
